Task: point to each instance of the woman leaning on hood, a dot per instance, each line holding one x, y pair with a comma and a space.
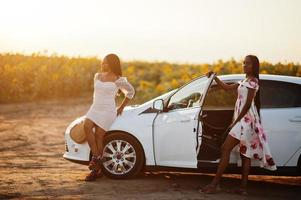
103, 111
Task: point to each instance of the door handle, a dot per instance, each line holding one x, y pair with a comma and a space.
295, 120
185, 120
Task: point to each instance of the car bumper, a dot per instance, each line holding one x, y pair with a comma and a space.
75, 151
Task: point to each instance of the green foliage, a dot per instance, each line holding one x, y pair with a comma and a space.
38, 77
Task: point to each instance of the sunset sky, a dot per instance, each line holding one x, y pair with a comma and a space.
185, 31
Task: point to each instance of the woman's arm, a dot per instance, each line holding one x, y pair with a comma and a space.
246, 107
223, 85
128, 90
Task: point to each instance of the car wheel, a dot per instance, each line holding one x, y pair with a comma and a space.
123, 156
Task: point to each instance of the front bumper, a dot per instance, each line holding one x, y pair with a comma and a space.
74, 151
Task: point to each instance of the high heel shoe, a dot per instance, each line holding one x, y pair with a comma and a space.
94, 163
210, 189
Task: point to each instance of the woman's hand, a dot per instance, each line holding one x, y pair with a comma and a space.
120, 110
208, 74
122, 105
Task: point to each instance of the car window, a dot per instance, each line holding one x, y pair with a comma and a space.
278, 94
190, 95
220, 99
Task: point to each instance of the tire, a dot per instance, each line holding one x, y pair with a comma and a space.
123, 156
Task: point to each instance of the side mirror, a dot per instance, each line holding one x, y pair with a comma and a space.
158, 105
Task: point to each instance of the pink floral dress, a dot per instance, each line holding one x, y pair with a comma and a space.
253, 141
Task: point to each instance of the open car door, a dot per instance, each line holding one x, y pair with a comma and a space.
214, 118
175, 129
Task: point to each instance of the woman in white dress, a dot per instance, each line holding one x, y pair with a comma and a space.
103, 112
246, 130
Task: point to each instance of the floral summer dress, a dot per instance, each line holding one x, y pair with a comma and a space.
253, 141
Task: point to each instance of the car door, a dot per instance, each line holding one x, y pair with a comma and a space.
216, 116
175, 137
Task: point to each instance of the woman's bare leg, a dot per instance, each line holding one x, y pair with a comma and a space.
88, 126
227, 147
246, 164
99, 134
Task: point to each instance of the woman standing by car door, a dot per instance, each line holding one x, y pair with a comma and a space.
246, 129
103, 112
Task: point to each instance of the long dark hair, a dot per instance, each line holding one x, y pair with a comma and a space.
114, 64
255, 70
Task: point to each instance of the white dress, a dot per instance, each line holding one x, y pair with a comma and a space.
103, 109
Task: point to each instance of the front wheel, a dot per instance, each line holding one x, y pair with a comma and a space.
123, 156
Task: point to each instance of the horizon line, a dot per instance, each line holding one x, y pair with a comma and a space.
56, 54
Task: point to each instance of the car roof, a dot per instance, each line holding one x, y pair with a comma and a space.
291, 79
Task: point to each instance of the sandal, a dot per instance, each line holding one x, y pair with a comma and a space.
239, 191
210, 189
94, 163
93, 175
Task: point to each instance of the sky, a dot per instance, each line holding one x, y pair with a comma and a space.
182, 31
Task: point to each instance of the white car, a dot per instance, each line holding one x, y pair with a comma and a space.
184, 129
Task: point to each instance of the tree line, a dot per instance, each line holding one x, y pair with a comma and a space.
40, 77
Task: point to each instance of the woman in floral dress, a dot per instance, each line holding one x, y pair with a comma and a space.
246, 130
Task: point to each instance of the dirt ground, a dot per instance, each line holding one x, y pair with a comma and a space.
32, 167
